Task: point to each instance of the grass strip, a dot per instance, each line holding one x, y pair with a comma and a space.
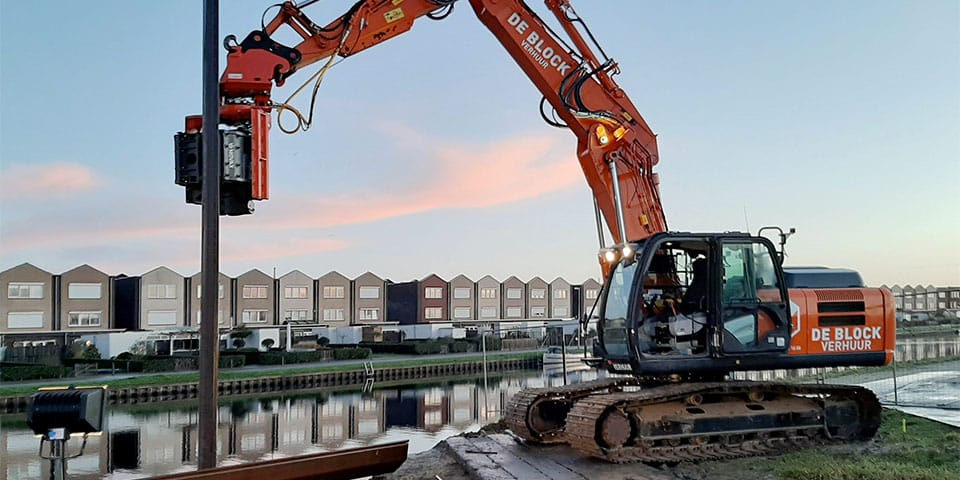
178, 378
905, 448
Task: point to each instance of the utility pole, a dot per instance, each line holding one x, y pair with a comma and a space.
210, 240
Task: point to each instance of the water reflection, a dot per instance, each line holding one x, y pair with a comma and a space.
155, 439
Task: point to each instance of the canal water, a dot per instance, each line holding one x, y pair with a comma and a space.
153, 439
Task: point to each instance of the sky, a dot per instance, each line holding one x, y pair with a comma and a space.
428, 154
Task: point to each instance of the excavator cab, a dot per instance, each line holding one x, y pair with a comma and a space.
693, 305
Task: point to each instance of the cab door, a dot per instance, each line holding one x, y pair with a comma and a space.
753, 301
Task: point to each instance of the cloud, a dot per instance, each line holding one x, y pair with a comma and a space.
455, 176
44, 181
462, 176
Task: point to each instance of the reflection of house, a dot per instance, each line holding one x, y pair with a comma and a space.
155, 442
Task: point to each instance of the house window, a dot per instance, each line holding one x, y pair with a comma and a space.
295, 292
559, 311
333, 314
909, 306
919, 304
461, 292
161, 317
514, 293
219, 290
432, 313
25, 320
943, 304
84, 290
84, 319
219, 316
538, 312
333, 292
369, 292
591, 294
538, 293
560, 294
255, 291
488, 293
158, 290
513, 312
461, 312
368, 314
296, 315
25, 290
488, 312
955, 294
942, 294
433, 292
254, 316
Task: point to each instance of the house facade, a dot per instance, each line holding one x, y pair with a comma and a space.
28, 300
334, 299
463, 302
297, 298
513, 292
589, 292
560, 299
489, 305
162, 300
538, 300
86, 300
255, 299
225, 316
370, 303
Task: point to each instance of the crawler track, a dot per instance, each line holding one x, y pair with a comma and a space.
537, 415
694, 421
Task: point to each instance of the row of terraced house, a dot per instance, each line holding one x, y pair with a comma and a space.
38, 305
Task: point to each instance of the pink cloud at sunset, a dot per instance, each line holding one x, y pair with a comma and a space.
56, 179
462, 176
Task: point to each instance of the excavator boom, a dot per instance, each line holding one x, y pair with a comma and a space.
616, 149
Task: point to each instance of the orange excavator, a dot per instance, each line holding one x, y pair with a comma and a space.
679, 311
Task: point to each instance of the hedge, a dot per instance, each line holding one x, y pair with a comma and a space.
283, 358
351, 353
33, 372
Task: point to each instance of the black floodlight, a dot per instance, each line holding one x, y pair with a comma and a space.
77, 410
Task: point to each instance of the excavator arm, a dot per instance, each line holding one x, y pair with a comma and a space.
616, 149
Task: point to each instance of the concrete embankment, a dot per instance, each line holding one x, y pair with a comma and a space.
300, 381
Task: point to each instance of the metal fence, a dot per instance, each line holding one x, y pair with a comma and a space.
925, 373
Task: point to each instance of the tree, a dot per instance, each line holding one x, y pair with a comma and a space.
90, 352
323, 341
239, 334
267, 343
